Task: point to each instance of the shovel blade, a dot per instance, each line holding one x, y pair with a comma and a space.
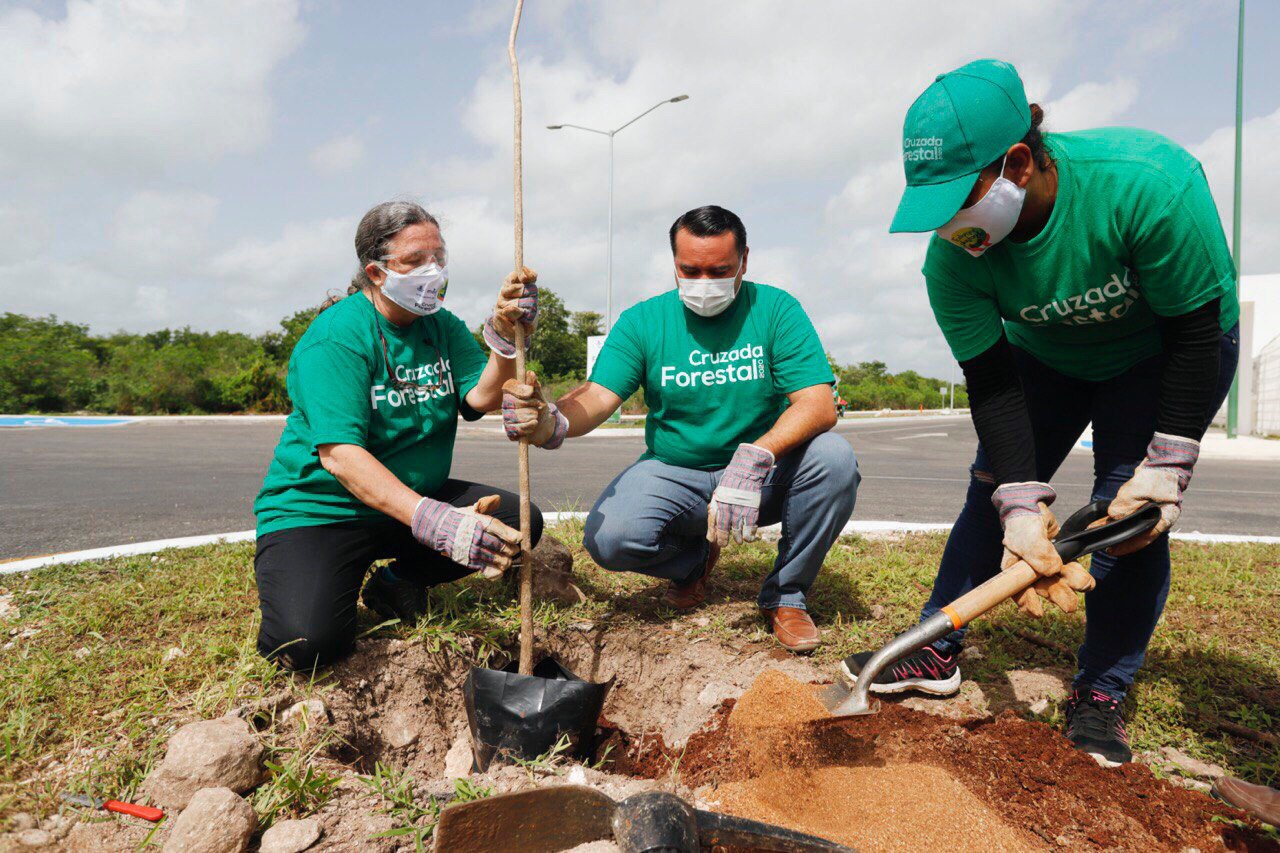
541, 820
833, 695
840, 700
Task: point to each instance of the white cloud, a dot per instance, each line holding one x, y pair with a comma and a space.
1260, 201
340, 154
783, 109
1091, 105
137, 84
161, 229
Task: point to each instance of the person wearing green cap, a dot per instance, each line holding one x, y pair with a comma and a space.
1077, 277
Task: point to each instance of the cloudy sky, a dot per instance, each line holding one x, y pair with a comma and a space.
204, 162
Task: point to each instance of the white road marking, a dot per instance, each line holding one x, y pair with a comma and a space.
772, 531
922, 435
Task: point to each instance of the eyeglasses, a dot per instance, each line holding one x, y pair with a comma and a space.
416, 260
405, 385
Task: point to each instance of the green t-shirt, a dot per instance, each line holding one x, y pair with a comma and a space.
342, 394
711, 383
1134, 233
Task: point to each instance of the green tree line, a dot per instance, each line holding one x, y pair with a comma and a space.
51, 366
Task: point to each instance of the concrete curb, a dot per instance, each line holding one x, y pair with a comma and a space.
861, 528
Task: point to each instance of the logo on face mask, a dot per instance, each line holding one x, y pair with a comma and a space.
972, 237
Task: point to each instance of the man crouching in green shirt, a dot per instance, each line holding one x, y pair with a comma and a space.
739, 394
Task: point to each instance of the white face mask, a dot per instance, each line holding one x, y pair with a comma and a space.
418, 291
978, 228
708, 297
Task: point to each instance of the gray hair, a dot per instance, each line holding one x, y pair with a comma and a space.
378, 228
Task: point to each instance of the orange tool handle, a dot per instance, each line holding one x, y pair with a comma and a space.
144, 812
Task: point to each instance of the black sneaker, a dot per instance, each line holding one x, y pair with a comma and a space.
927, 670
1094, 726
394, 599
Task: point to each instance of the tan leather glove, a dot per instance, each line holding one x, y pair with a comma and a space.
1029, 526
1160, 478
1061, 589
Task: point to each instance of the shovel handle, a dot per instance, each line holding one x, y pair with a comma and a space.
980, 599
1075, 540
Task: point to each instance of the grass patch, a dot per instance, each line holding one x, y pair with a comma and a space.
91, 687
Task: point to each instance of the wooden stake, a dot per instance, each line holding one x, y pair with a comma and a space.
526, 532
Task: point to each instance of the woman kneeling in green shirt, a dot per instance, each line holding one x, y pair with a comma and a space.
361, 472
1078, 277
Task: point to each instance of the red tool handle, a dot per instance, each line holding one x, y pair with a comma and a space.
144, 812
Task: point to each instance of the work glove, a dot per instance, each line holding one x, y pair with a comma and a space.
468, 536
517, 305
734, 511
1061, 589
1029, 526
527, 414
1161, 478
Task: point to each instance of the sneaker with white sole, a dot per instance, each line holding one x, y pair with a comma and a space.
1094, 726
927, 670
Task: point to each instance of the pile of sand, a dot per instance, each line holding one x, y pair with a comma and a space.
805, 773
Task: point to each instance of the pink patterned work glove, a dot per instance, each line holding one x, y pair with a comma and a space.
517, 305
1161, 479
468, 536
734, 512
527, 414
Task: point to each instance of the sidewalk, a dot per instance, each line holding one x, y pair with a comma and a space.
1216, 445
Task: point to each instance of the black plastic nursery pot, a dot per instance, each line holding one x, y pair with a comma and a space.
524, 715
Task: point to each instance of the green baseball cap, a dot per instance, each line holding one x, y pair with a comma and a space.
964, 121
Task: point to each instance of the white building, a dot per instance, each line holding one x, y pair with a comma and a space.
1259, 356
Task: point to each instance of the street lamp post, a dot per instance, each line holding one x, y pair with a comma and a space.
608, 316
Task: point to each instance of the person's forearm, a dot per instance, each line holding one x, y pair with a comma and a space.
1190, 378
369, 480
1000, 417
586, 407
799, 423
486, 396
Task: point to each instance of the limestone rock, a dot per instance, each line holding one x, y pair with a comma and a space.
217, 820
553, 573
1031, 685
22, 821
34, 838
291, 836
210, 753
458, 760
313, 710
1191, 766
58, 825
399, 730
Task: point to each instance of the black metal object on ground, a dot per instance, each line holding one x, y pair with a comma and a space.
542, 820
524, 715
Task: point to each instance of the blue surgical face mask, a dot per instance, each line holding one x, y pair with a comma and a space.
418, 291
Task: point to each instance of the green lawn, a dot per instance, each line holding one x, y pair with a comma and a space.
90, 687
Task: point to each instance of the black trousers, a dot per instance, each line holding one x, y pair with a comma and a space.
309, 578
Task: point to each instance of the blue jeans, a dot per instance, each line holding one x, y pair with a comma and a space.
652, 518
1123, 609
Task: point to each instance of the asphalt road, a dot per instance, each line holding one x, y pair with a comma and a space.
64, 489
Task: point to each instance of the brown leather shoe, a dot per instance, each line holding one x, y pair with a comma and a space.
794, 629
686, 596
1258, 800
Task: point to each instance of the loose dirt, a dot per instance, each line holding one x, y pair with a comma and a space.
903, 779
739, 731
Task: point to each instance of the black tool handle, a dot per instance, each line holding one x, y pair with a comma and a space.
1076, 538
